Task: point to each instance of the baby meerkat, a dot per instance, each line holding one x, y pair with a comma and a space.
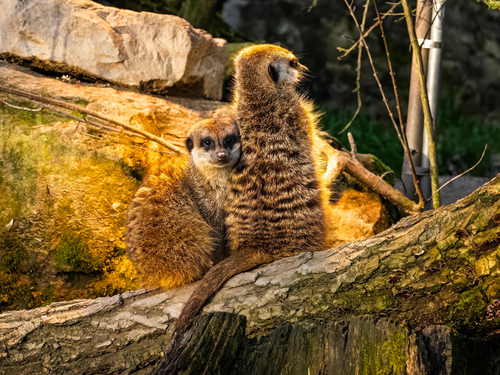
277, 202
175, 227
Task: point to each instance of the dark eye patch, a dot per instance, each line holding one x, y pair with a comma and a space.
294, 64
273, 73
207, 142
189, 144
229, 141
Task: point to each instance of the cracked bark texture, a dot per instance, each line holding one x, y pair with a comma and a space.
419, 298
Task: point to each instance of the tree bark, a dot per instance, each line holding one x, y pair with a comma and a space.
419, 298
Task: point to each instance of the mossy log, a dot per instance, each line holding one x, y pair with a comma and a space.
419, 298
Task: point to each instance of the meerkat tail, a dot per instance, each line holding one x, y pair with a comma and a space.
213, 281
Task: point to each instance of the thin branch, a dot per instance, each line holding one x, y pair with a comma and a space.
339, 161
21, 108
356, 169
406, 146
357, 90
466, 171
347, 51
374, 71
354, 148
425, 105
76, 108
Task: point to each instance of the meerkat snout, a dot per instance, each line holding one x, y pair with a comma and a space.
286, 72
222, 156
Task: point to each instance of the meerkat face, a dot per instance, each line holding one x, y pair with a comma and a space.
285, 71
214, 146
276, 67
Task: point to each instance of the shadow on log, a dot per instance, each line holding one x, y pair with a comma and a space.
359, 345
419, 298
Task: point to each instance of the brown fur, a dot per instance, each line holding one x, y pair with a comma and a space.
274, 203
176, 219
277, 203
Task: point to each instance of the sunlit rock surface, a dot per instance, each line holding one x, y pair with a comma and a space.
159, 53
65, 189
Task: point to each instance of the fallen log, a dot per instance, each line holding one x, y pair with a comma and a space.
420, 298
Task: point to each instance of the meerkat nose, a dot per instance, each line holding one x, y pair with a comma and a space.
221, 156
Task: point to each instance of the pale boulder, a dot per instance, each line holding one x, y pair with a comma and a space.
161, 53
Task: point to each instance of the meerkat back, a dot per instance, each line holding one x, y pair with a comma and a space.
274, 204
175, 229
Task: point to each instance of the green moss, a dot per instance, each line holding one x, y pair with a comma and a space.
469, 310
394, 353
12, 254
15, 294
360, 300
72, 255
76, 100
68, 201
492, 4
389, 358
16, 267
20, 167
30, 118
47, 294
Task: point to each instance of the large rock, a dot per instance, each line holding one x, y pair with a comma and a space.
153, 51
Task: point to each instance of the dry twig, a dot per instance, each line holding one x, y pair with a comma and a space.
356, 169
354, 148
466, 171
374, 70
347, 51
357, 90
21, 108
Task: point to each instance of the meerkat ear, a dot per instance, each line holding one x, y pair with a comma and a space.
273, 73
189, 143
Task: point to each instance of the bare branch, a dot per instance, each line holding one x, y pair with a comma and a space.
466, 171
347, 51
344, 161
374, 71
21, 108
354, 148
357, 90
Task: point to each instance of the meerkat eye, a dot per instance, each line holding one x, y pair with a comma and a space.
294, 64
229, 141
207, 142
273, 73
189, 144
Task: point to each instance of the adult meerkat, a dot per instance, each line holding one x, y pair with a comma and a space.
175, 227
277, 201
